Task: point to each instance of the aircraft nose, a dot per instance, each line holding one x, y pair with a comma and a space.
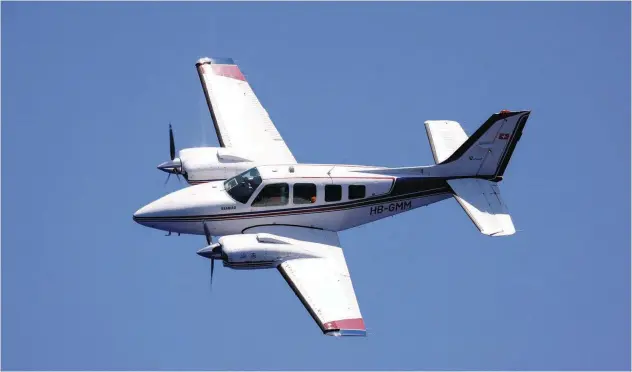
142, 212
158, 208
189, 201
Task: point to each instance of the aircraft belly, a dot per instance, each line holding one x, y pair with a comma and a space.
324, 220
181, 227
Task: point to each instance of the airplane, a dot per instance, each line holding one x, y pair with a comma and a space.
269, 211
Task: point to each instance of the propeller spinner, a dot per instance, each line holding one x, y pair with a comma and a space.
173, 166
211, 251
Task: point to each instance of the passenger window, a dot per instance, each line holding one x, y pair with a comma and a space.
304, 193
357, 191
333, 193
272, 195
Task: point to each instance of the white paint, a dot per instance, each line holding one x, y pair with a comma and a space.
482, 202
243, 123
445, 137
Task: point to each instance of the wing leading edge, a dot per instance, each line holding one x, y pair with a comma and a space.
240, 120
323, 283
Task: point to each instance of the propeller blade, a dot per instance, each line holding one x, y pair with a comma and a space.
212, 270
207, 233
167, 180
172, 144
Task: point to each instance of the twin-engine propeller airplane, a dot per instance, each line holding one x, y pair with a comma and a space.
272, 212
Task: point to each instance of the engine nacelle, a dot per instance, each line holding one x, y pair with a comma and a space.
259, 251
203, 164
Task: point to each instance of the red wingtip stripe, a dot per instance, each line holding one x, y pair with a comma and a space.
231, 71
351, 324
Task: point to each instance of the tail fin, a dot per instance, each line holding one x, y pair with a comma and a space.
483, 157
487, 152
482, 202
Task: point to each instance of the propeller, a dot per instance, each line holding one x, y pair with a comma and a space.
172, 143
169, 175
211, 251
212, 270
173, 166
208, 242
207, 233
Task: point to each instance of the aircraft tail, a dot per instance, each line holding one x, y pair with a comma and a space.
478, 163
486, 153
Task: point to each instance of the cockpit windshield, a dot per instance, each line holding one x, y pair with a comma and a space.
243, 185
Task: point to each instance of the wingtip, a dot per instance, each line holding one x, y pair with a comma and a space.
219, 67
215, 61
346, 333
345, 327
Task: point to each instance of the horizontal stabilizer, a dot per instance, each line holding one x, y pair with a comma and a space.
445, 137
482, 202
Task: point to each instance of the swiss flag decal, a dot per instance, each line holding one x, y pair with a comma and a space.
503, 136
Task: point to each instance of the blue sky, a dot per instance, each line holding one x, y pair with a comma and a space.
88, 90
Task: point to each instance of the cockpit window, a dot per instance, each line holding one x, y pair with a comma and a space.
243, 185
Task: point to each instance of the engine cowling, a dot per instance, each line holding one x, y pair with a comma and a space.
258, 251
203, 164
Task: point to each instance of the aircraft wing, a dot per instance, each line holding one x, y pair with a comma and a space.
322, 283
240, 121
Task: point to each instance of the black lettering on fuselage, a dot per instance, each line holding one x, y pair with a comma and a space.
392, 207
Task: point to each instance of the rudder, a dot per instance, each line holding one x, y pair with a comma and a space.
487, 152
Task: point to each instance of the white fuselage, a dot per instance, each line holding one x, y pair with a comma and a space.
329, 197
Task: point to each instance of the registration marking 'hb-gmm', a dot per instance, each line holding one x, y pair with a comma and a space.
393, 207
